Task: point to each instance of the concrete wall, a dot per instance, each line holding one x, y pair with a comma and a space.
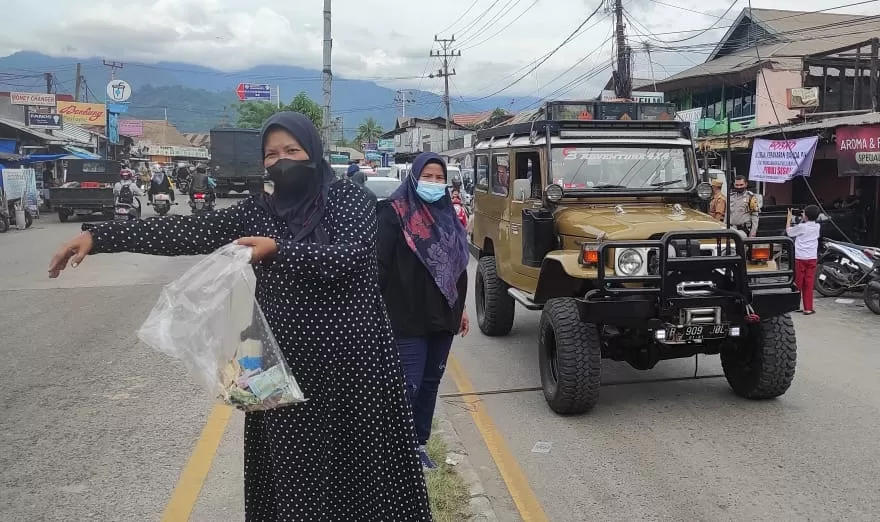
776, 84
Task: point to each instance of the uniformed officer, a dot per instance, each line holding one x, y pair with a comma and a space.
718, 203
743, 207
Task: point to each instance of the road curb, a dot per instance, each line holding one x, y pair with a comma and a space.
480, 506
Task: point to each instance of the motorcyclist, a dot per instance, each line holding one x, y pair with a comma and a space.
160, 184
202, 183
126, 190
183, 172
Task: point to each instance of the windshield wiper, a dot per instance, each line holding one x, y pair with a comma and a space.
609, 185
664, 183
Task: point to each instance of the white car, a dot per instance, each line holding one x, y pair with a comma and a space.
382, 187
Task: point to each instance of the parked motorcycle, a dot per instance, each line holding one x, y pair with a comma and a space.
161, 204
201, 203
127, 212
872, 289
843, 267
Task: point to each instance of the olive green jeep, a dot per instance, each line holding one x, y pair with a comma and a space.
593, 212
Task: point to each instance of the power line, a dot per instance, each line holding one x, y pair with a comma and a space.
481, 42
477, 33
463, 32
460, 17
546, 57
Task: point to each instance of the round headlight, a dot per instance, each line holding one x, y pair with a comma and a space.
553, 192
630, 262
704, 190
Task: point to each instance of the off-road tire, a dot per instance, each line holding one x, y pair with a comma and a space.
4, 224
63, 216
496, 311
575, 386
28, 219
824, 290
762, 365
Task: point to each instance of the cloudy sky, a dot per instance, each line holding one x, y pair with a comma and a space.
380, 39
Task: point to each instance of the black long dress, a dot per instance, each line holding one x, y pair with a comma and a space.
349, 453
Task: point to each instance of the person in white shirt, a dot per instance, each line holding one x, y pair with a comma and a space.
806, 248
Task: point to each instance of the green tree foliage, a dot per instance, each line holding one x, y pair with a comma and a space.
368, 132
252, 114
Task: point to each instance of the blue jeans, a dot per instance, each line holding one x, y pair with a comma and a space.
424, 361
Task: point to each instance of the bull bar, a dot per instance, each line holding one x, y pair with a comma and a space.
658, 295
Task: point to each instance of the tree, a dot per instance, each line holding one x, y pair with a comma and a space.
252, 114
302, 103
369, 131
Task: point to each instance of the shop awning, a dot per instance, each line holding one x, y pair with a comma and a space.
82, 153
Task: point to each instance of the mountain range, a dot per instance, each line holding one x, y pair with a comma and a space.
197, 98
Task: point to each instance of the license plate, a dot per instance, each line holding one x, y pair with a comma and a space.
122, 212
822, 277
697, 332
199, 204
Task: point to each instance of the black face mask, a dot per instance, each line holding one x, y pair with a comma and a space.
739, 190
292, 178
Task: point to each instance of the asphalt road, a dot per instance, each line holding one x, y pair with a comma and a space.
97, 426
689, 449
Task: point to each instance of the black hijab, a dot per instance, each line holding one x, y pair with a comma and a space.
303, 212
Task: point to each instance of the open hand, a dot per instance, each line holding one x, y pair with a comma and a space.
264, 248
74, 251
465, 324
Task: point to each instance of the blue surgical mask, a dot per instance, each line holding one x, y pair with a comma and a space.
430, 191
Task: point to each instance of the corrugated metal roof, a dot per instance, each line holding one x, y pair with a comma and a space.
467, 120
788, 53
871, 118
33, 132
74, 134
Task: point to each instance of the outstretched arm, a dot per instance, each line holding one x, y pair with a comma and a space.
172, 235
353, 249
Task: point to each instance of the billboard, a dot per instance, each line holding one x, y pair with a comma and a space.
41, 120
133, 128
858, 151
83, 113
32, 99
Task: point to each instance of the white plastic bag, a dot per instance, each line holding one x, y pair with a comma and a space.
209, 319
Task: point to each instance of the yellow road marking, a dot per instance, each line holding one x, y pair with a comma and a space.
193, 476
526, 502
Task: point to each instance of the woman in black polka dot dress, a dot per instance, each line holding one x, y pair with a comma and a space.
350, 452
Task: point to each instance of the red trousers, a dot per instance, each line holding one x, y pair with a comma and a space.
804, 279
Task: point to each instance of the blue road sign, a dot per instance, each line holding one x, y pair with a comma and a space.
254, 91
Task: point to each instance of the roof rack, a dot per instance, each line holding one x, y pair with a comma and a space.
588, 115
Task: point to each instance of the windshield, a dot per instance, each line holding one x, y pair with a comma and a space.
622, 167
382, 188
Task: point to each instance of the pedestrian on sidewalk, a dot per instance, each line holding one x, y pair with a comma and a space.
806, 249
423, 258
349, 452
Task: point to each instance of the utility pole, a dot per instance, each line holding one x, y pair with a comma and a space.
403, 98
113, 66
445, 53
328, 81
623, 74
78, 88
48, 77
